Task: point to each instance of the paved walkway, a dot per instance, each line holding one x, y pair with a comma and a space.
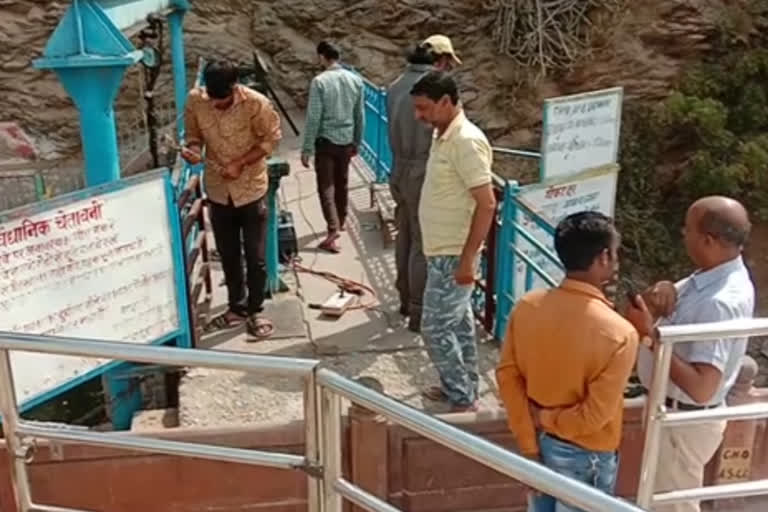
371, 343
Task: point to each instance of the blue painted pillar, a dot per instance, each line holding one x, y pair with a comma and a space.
506, 260
277, 168
94, 91
176, 22
90, 55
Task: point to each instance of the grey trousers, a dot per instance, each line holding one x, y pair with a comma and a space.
406, 183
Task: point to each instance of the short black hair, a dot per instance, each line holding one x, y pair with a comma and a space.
581, 237
436, 84
220, 77
328, 50
421, 54
721, 227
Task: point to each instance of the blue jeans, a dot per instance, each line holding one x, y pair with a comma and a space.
598, 469
448, 330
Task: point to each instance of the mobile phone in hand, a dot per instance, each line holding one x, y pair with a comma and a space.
632, 296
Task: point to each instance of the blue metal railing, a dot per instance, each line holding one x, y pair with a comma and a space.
518, 266
375, 150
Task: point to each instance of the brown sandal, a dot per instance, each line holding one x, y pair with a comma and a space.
259, 328
330, 245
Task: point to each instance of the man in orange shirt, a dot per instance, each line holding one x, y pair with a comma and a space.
566, 360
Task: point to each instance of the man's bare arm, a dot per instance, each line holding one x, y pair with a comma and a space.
485, 209
699, 381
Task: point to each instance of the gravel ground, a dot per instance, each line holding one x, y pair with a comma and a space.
225, 398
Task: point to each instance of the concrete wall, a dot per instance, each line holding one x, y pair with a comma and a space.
389, 461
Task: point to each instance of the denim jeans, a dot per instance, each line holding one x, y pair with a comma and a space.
598, 469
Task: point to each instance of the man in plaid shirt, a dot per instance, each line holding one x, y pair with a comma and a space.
333, 132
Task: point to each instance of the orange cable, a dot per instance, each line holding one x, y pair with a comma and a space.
348, 285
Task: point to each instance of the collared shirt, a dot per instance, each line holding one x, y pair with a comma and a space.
567, 350
725, 292
335, 109
409, 138
250, 122
459, 160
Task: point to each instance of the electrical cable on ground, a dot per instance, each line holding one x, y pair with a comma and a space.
345, 284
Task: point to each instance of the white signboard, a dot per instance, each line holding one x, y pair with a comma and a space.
99, 267
580, 132
593, 190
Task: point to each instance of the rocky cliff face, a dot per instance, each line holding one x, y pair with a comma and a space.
643, 50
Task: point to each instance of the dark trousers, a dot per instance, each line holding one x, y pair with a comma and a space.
411, 264
236, 228
332, 169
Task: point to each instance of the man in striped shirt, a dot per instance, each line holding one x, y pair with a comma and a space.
456, 210
333, 132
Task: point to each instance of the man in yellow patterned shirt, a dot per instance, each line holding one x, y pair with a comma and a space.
455, 213
239, 128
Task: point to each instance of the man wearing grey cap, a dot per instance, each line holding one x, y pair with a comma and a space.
410, 141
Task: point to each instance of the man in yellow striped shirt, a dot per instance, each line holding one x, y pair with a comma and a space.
455, 212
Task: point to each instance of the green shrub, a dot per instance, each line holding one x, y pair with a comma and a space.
710, 136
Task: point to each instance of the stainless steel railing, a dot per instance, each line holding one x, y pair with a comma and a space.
322, 460
657, 416
485, 452
17, 431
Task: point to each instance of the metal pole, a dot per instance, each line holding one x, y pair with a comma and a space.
382, 132
504, 261
655, 414
48, 508
363, 499
10, 415
476, 448
490, 270
176, 22
715, 492
524, 153
170, 356
377, 134
728, 329
311, 444
272, 249
320, 413
756, 411
150, 445
332, 445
